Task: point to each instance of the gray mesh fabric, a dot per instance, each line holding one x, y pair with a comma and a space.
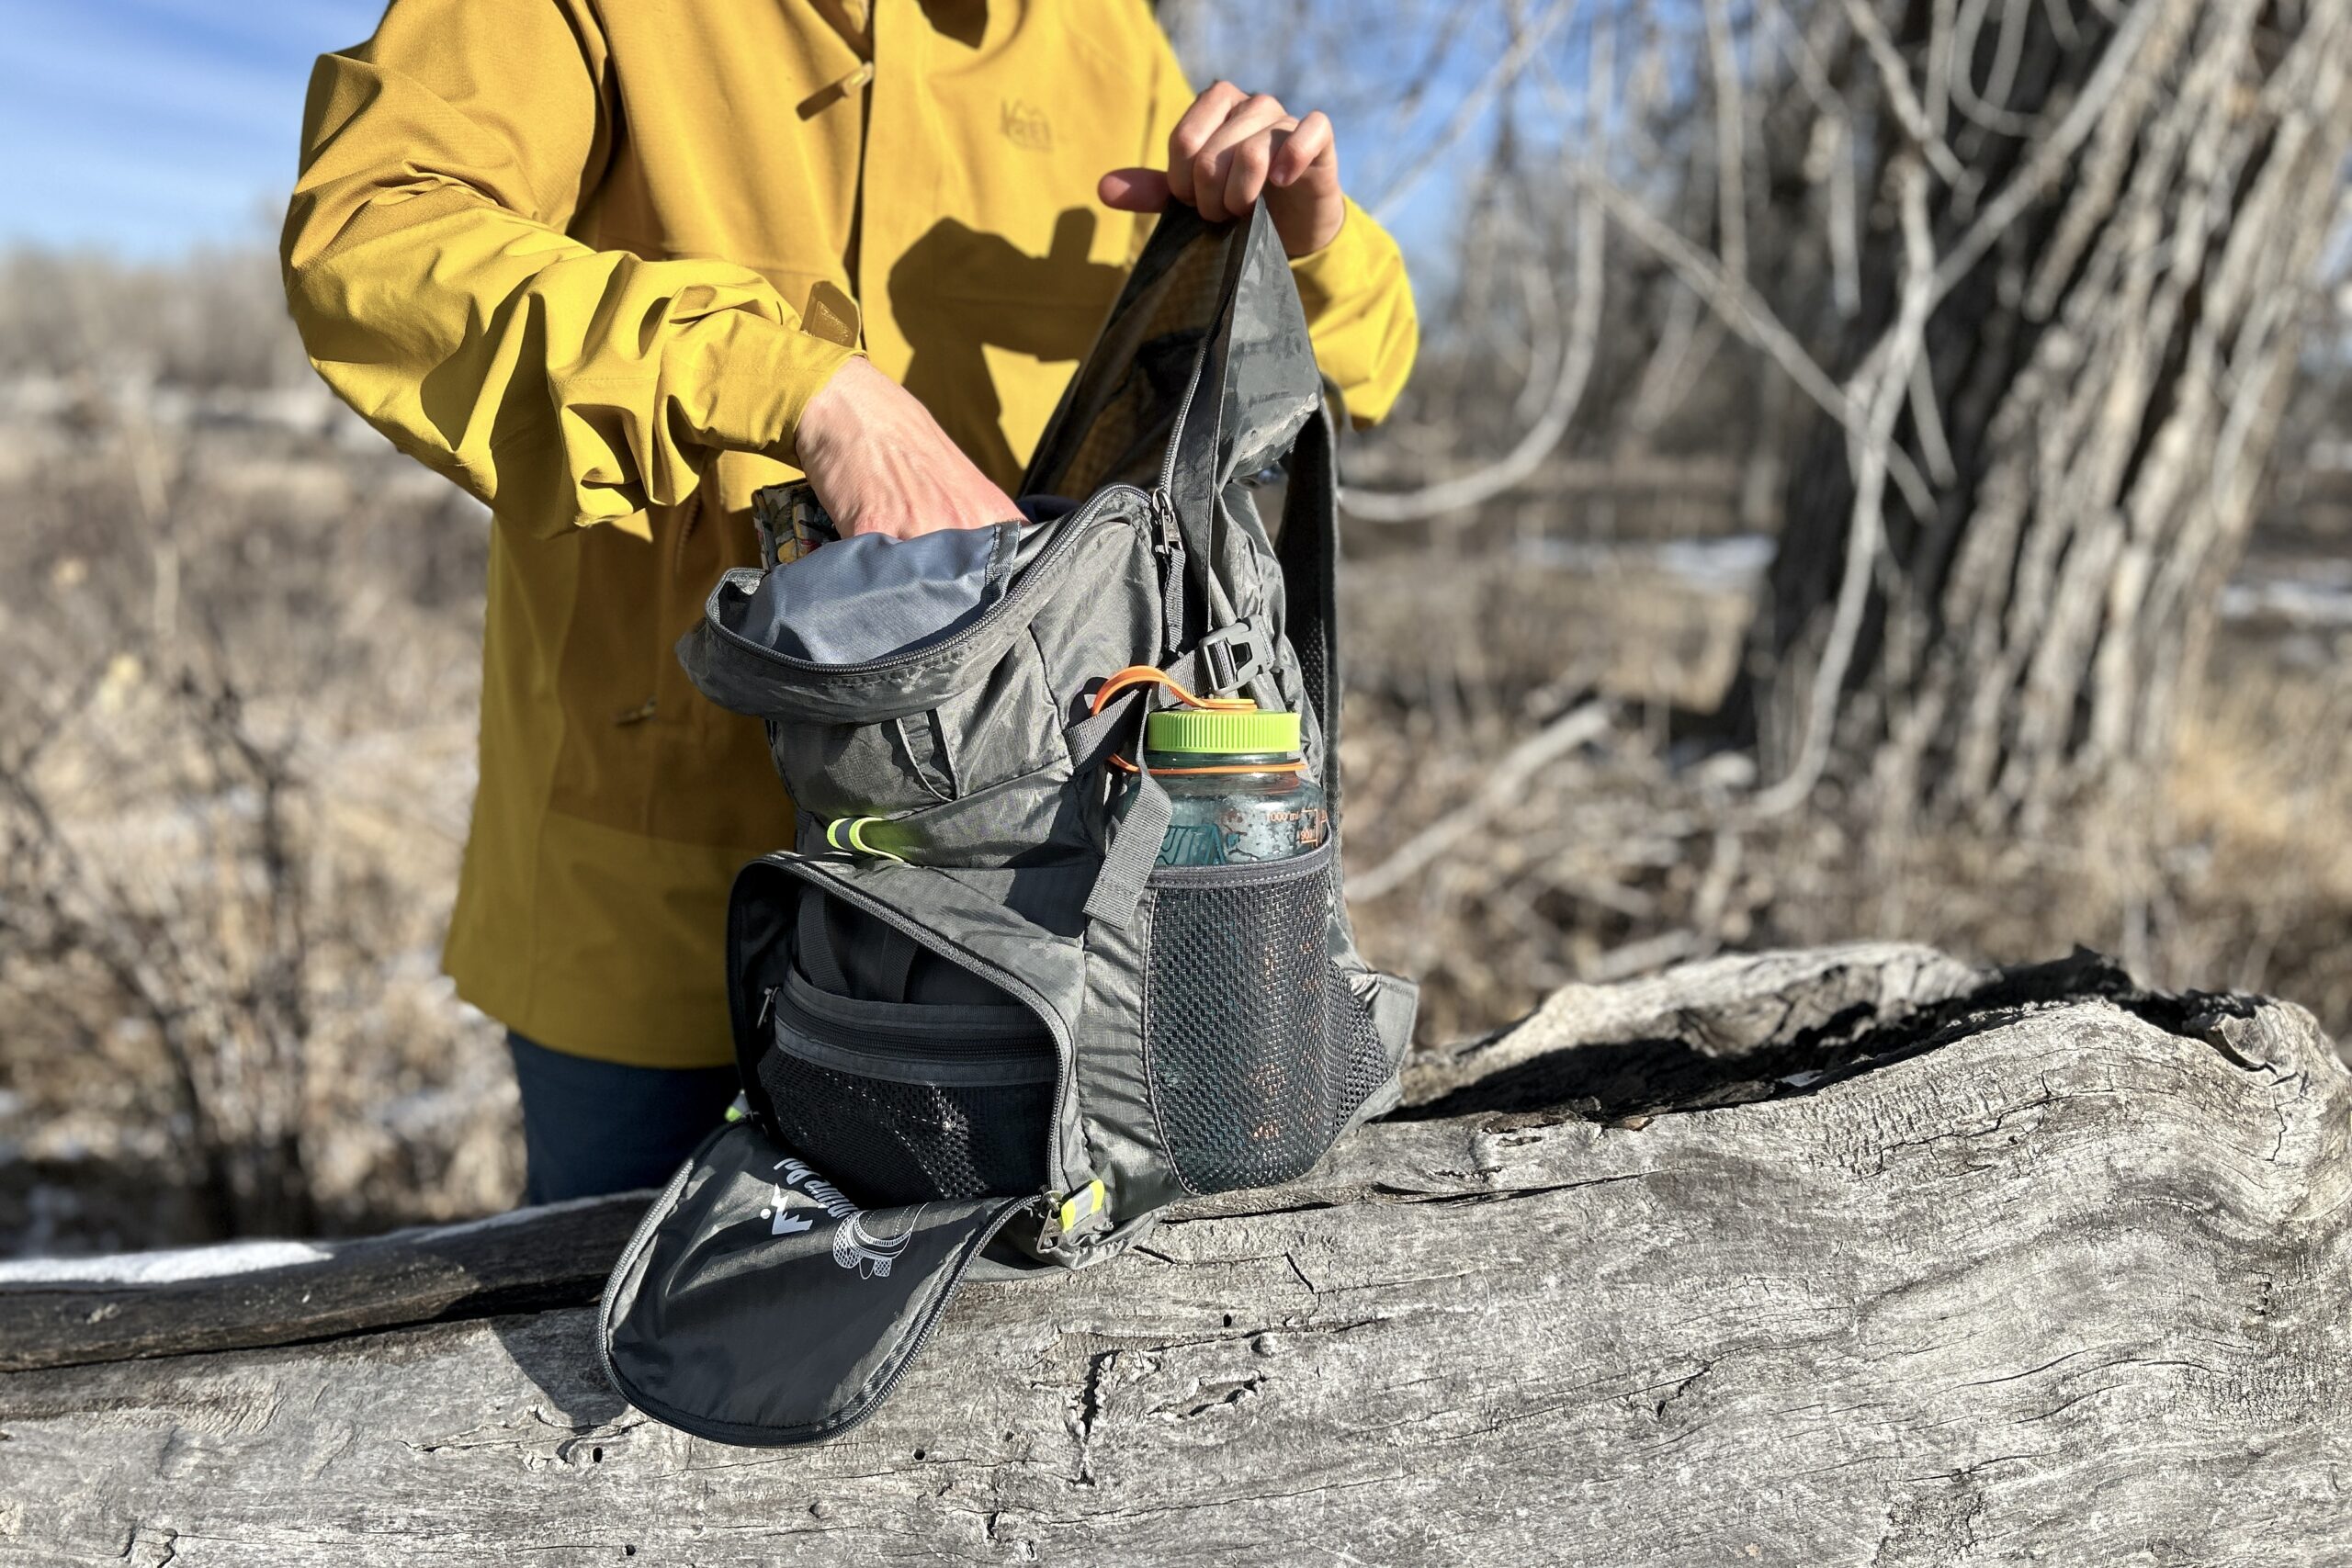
886, 1142
1235, 1014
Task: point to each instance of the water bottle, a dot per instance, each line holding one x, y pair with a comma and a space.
1237, 783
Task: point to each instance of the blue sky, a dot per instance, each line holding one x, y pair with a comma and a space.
145, 127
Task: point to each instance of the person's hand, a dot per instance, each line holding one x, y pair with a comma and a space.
881, 463
1230, 147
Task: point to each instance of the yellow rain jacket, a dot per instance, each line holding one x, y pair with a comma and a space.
557, 250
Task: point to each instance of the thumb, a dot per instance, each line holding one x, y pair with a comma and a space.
1133, 190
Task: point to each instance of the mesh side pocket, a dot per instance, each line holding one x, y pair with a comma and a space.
888, 1142
1358, 1063
1235, 998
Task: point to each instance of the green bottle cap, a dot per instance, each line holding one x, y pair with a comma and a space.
1227, 731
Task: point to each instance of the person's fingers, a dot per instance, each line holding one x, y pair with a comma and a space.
1192, 131
1312, 142
1212, 165
1133, 190
1257, 113
1245, 175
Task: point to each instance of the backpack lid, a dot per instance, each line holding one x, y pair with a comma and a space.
1208, 308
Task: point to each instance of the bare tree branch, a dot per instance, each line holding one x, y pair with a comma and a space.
1730, 148
1506, 71
1891, 371
1746, 312
2050, 157
1576, 361
1901, 96
1504, 786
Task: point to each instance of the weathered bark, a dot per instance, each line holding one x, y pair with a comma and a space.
1854, 1256
2108, 379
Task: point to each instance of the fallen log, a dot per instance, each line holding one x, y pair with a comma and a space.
1849, 1257
280, 1292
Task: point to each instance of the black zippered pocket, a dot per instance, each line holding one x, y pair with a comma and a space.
916, 1042
909, 1100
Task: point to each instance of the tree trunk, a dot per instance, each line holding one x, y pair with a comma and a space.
2107, 380
1846, 1258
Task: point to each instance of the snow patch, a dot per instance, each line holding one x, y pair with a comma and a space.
177, 1264
165, 1268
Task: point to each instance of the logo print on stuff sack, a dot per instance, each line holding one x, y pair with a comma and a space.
857, 1245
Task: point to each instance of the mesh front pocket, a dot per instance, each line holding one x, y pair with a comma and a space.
899, 1103
888, 1142
1237, 1014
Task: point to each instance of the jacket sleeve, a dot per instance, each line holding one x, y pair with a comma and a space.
1359, 302
428, 271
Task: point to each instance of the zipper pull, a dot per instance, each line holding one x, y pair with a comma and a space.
1163, 512
767, 1007
1078, 1217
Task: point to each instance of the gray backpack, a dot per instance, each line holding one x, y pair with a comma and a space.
979, 1031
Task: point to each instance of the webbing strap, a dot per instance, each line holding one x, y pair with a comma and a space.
818, 959
1092, 739
1135, 849
1214, 665
1137, 837
894, 953
1171, 596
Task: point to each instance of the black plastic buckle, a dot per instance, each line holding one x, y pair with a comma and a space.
1227, 669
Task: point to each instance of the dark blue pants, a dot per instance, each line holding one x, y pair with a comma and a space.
592, 1127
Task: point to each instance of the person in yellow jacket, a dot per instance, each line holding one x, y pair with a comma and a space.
613, 266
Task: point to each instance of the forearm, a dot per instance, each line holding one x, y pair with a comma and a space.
560, 384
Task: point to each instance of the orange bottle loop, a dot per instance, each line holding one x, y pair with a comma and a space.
1144, 676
